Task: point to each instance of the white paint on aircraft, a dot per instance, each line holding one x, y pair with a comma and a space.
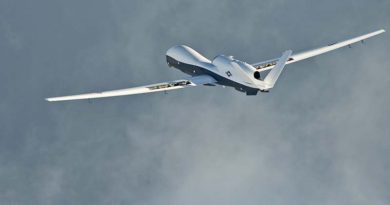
222, 70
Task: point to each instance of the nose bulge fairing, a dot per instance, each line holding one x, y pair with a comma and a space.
187, 55
188, 61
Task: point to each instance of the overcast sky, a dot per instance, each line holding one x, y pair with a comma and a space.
321, 136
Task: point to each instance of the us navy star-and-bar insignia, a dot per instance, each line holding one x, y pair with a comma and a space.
228, 73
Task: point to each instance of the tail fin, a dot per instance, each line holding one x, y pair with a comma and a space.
274, 74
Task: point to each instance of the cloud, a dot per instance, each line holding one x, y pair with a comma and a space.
319, 137
14, 40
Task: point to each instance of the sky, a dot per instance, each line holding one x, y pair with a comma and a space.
321, 136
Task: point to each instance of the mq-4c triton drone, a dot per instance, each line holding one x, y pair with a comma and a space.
222, 70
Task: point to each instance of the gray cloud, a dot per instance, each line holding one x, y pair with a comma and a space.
320, 137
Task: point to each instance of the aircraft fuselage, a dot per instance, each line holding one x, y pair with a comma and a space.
225, 69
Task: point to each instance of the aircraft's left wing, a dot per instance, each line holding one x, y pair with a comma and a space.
165, 86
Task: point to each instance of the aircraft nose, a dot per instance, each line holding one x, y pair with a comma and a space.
175, 51
185, 54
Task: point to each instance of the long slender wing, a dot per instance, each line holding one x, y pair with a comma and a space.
171, 85
266, 65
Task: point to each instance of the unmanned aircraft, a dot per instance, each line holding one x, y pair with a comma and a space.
222, 70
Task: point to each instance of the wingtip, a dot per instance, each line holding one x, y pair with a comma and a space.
378, 32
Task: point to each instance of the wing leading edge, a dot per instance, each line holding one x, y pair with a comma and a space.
165, 86
266, 65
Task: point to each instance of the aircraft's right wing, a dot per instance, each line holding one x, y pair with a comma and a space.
266, 65
191, 82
